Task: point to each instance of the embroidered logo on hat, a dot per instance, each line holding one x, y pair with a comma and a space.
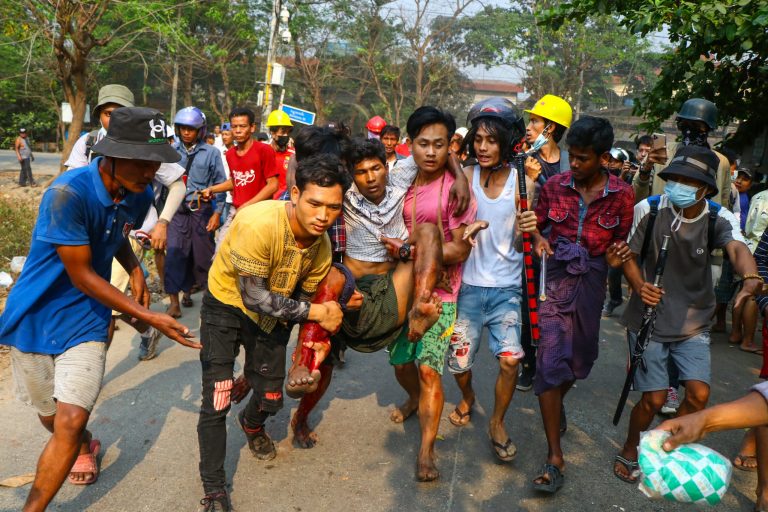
137, 133
156, 126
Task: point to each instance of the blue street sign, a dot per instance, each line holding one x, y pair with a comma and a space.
298, 115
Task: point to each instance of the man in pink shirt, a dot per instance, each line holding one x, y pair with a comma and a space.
427, 201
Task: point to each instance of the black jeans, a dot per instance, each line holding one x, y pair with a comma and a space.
614, 285
25, 176
223, 329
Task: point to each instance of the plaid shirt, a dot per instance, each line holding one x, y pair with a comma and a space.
337, 232
605, 220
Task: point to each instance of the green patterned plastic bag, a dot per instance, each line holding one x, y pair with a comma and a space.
692, 473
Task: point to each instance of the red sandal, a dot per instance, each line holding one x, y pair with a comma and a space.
87, 463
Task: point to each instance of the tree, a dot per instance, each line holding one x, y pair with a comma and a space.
577, 61
74, 31
721, 53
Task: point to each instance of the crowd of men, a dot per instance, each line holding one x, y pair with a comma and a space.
415, 246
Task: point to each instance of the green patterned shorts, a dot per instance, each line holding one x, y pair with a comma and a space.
432, 348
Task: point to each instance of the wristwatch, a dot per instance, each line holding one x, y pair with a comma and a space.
404, 252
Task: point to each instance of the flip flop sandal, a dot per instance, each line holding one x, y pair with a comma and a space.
556, 479
743, 458
460, 422
87, 463
508, 448
187, 302
632, 467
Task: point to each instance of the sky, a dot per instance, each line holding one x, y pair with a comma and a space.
502, 73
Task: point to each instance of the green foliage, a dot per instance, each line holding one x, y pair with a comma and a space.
348, 60
16, 223
575, 60
721, 53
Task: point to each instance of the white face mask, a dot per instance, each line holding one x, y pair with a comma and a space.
540, 141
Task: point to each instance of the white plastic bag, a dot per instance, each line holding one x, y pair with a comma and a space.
691, 473
5, 280
17, 264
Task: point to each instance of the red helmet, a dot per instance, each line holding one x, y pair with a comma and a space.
376, 124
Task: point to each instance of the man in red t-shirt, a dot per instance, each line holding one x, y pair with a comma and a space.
252, 167
280, 127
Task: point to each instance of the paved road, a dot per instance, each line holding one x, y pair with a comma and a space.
146, 420
45, 163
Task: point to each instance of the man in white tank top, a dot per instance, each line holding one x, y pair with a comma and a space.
491, 293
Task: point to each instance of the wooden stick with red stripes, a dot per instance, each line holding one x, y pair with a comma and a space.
530, 281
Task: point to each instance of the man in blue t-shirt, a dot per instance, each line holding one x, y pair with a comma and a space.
57, 315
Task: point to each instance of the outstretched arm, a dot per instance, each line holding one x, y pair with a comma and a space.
77, 262
749, 411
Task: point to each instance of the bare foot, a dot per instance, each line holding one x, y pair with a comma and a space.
240, 389
303, 436
301, 381
426, 471
734, 337
173, 310
403, 412
423, 315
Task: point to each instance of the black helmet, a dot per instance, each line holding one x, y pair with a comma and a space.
699, 109
501, 109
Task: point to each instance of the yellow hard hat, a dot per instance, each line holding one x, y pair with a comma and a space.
278, 118
553, 108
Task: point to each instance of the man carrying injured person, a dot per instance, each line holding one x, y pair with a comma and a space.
270, 264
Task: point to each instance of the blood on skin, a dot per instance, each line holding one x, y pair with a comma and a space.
329, 290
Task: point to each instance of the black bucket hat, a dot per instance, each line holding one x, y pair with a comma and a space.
137, 133
696, 162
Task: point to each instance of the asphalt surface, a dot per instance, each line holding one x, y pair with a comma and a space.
45, 163
146, 420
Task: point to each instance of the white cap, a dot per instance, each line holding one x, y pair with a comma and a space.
462, 131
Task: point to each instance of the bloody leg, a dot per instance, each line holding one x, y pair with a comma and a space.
304, 375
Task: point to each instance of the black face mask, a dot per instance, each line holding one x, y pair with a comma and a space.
282, 142
693, 138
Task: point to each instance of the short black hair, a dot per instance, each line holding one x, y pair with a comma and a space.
243, 111
644, 139
558, 132
730, 154
210, 136
314, 140
428, 115
324, 170
594, 132
360, 149
390, 129
494, 128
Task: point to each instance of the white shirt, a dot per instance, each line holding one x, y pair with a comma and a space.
365, 221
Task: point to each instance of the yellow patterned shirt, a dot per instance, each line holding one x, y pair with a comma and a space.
260, 243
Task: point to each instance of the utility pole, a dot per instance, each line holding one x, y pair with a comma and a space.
279, 15
274, 25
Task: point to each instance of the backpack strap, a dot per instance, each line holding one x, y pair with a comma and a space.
90, 141
653, 202
714, 211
